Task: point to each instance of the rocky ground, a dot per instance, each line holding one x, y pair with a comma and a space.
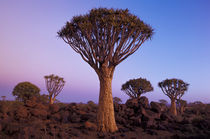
135, 119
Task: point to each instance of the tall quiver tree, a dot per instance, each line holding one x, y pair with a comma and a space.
136, 87
174, 89
54, 85
104, 38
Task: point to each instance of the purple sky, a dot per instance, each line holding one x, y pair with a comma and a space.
30, 48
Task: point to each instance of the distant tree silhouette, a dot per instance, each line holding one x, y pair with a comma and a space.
104, 38
117, 100
163, 101
3, 98
182, 104
25, 90
54, 86
136, 87
174, 89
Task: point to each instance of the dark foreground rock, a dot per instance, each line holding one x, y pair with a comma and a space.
135, 119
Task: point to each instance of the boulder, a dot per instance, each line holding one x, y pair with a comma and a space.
155, 106
143, 101
136, 121
21, 113
40, 113
74, 118
90, 126
54, 108
132, 103
30, 103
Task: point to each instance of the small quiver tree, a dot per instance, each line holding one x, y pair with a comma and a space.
174, 89
182, 104
54, 85
117, 100
104, 38
3, 98
25, 91
136, 87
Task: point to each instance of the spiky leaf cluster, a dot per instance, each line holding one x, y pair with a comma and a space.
25, 90
173, 88
105, 36
136, 87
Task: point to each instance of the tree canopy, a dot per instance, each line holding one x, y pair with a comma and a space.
25, 90
136, 87
105, 36
173, 88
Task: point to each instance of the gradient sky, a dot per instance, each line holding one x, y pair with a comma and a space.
30, 48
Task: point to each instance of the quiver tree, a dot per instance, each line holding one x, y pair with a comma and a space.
117, 100
182, 104
54, 86
3, 98
174, 89
136, 87
104, 38
25, 91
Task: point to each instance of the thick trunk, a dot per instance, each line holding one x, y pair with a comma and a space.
52, 100
173, 107
105, 116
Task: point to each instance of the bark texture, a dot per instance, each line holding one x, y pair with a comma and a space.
173, 107
105, 116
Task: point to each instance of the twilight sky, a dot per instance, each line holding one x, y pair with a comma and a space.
30, 48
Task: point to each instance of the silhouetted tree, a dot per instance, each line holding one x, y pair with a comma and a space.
25, 90
163, 101
117, 100
174, 89
3, 98
182, 104
54, 86
136, 87
104, 38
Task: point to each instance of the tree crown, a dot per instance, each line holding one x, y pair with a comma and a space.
25, 90
173, 88
105, 37
135, 87
54, 84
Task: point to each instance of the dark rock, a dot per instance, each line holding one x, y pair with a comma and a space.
21, 113
136, 121
132, 103
56, 117
151, 132
64, 116
143, 101
85, 117
74, 118
30, 103
90, 126
39, 113
54, 108
155, 106
165, 116
4, 108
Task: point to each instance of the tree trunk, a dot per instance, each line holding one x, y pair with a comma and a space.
51, 100
181, 109
105, 116
173, 107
